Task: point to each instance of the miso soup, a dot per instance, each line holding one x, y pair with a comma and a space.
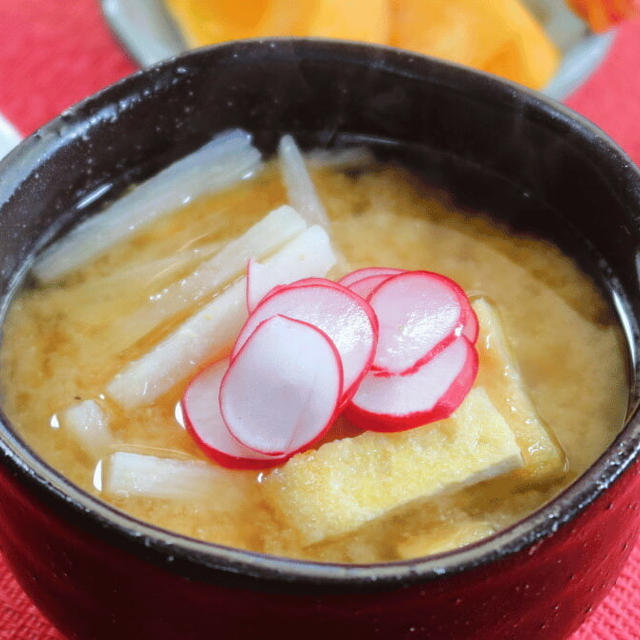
96, 358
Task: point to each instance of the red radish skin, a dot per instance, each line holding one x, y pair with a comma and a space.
469, 319
282, 389
361, 274
345, 317
203, 421
431, 393
419, 313
470, 322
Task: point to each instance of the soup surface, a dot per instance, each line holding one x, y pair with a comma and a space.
64, 342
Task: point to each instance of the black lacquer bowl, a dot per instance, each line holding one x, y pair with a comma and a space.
97, 573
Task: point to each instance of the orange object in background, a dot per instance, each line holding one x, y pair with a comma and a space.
603, 14
499, 36
210, 21
364, 20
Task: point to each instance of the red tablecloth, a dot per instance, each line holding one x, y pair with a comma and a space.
55, 53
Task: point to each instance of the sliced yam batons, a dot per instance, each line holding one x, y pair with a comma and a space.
259, 241
130, 475
300, 190
225, 160
543, 457
209, 334
88, 424
346, 483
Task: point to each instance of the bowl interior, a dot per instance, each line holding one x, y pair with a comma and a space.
495, 147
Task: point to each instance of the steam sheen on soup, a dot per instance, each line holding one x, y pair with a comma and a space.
549, 397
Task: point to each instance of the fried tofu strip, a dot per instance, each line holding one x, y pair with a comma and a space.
498, 373
346, 483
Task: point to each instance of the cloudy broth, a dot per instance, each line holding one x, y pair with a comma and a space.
64, 342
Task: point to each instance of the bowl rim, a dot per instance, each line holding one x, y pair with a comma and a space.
189, 556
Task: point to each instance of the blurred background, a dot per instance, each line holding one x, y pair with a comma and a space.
586, 53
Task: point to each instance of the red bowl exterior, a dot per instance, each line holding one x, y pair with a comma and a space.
92, 589
99, 574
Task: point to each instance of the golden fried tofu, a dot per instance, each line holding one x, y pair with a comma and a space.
498, 374
346, 483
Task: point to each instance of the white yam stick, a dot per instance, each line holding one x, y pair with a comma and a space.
163, 269
209, 334
349, 158
300, 190
219, 164
166, 266
262, 239
89, 426
135, 475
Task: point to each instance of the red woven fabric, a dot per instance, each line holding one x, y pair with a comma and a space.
54, 53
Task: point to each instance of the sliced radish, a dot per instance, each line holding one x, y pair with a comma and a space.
203, 420
282, 389
419, 313
364, 281
209, 334
469, 319
432, 392
345, 317
304, 282
365, 287
361, 274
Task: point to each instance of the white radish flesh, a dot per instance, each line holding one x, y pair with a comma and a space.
346, 318
89, 426
432, 392
300, 190
203, 420
368, 272
282, 389
209, 334
135, 475
261, 240
219, 164
418, 312
365, 287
